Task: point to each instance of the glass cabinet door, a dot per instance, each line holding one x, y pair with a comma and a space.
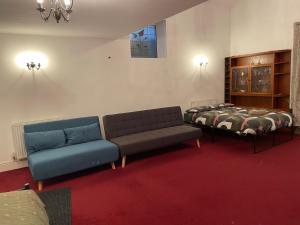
261, 80
240, 80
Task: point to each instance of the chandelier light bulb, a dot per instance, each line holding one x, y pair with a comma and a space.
40, 1
67, 3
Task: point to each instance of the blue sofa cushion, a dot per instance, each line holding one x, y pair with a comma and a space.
83, 134
37, 141
56, 162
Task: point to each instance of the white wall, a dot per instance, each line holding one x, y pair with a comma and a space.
80, 79
263, 25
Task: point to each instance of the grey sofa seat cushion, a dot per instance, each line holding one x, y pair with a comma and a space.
148, 140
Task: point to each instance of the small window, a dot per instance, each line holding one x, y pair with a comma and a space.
144, 43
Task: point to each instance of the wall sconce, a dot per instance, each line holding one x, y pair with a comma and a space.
32, 61
33, 66
201, 60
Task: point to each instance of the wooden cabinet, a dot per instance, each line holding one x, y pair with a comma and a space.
260, 80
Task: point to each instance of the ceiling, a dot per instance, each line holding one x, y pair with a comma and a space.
93, 18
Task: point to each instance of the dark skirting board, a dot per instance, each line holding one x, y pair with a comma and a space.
58, 206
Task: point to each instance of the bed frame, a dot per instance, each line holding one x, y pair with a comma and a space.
253, 138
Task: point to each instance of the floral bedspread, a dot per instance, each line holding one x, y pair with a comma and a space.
242, 121
22, 208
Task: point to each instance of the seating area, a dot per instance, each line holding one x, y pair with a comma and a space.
62, 147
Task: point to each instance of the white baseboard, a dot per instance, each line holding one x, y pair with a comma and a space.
7, 166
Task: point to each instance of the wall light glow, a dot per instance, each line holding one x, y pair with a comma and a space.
200, 60
23, 58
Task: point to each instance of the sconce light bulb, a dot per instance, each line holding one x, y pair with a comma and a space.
200, 60
31, 60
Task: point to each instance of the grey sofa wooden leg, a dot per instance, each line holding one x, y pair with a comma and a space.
124, 161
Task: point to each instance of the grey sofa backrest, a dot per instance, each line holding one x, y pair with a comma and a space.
135, 122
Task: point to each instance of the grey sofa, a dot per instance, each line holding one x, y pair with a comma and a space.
142, 131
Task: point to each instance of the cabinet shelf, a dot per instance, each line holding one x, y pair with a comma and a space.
281, 95
283, 62
260, 65
282, 74
251, 94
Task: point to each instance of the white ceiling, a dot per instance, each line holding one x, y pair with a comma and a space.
95, 18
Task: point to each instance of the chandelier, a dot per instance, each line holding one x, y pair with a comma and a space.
58, 8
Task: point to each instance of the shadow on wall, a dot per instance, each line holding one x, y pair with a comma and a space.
12, 86
200, 71
35, 87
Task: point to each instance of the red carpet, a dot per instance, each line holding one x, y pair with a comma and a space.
221, 184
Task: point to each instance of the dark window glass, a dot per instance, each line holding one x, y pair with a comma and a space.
144, 43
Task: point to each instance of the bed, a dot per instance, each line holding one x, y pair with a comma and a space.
242, 121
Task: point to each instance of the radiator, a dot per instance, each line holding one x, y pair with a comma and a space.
18, 138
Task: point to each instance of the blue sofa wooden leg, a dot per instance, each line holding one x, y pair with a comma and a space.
113, 166
40, 185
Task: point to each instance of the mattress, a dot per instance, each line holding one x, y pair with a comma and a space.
240, 120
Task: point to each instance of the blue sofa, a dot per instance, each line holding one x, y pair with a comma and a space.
62, 147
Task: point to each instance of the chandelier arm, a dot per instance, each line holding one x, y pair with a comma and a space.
66, 17
58, 10
46, 17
